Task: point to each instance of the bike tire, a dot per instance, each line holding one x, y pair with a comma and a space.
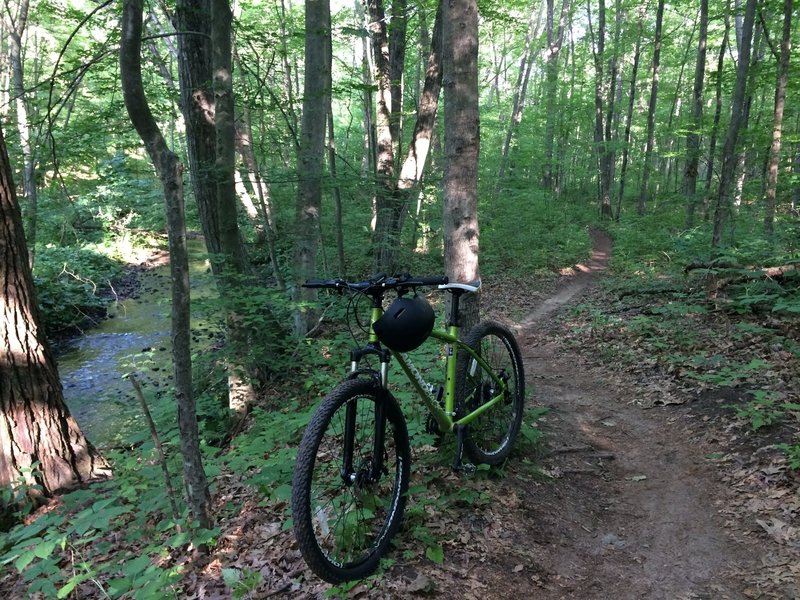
490, 437
343, 525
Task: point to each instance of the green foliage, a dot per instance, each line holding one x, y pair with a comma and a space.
763, 411
73, 285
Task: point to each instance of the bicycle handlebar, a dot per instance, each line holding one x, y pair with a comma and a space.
378, 282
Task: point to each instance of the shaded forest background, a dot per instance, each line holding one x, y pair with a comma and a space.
667, 124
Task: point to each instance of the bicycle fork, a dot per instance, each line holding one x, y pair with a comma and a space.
363, 474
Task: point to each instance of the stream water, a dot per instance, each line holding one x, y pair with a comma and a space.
135, 338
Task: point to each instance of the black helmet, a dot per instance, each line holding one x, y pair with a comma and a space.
406, 324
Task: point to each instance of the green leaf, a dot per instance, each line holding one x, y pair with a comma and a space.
435, 553
44, 549
136, 566
72, 584
24, 560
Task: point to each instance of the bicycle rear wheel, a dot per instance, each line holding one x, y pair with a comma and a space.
490, 437
345, 514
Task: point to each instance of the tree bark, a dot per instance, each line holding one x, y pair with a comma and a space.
598, 51
16, 33
416, 158
520, 91
193, 24
651, 113
626, 143
729, 155
387, 204
555, 38
712, 143
170, 172
41, 445
312, 155
780, 101
461, 147
693, 136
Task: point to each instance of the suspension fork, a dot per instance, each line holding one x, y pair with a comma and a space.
375, 470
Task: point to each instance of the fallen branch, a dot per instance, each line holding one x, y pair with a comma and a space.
157, 442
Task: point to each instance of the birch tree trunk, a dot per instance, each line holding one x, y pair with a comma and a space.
520, 91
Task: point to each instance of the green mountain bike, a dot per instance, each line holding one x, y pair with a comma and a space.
353, 465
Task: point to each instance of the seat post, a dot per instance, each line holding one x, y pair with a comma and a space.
454, 317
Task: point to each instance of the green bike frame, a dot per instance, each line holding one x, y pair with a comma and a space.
443, 414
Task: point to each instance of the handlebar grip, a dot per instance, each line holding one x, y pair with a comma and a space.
320, 283
431, 280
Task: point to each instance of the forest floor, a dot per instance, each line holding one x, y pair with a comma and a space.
645, 487
638, 493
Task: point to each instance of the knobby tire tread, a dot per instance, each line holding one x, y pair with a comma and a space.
303, 473
473, 340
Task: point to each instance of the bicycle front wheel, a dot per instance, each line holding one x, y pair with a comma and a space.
490, 437
345, 513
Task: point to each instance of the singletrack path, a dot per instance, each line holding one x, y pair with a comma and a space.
630, 507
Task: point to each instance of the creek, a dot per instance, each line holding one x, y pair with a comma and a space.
134, 338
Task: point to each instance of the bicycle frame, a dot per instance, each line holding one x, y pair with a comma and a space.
444, 416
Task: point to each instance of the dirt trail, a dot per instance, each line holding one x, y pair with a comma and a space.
633, 511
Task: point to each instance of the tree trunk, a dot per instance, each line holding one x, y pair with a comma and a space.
729, 155
651, 113
417, 155
16, 32
170, 172
387, 204
555, 38
241, 393
41, 446
520, 91
461, 147
780, 101
626, 143
598, 51
312, 154
693, 136
712, 144
193, 24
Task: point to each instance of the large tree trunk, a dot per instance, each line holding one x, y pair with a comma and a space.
40, 442
780, 101
312, 154
651, 113
693, 136
729, 154
461, 147
170, 172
